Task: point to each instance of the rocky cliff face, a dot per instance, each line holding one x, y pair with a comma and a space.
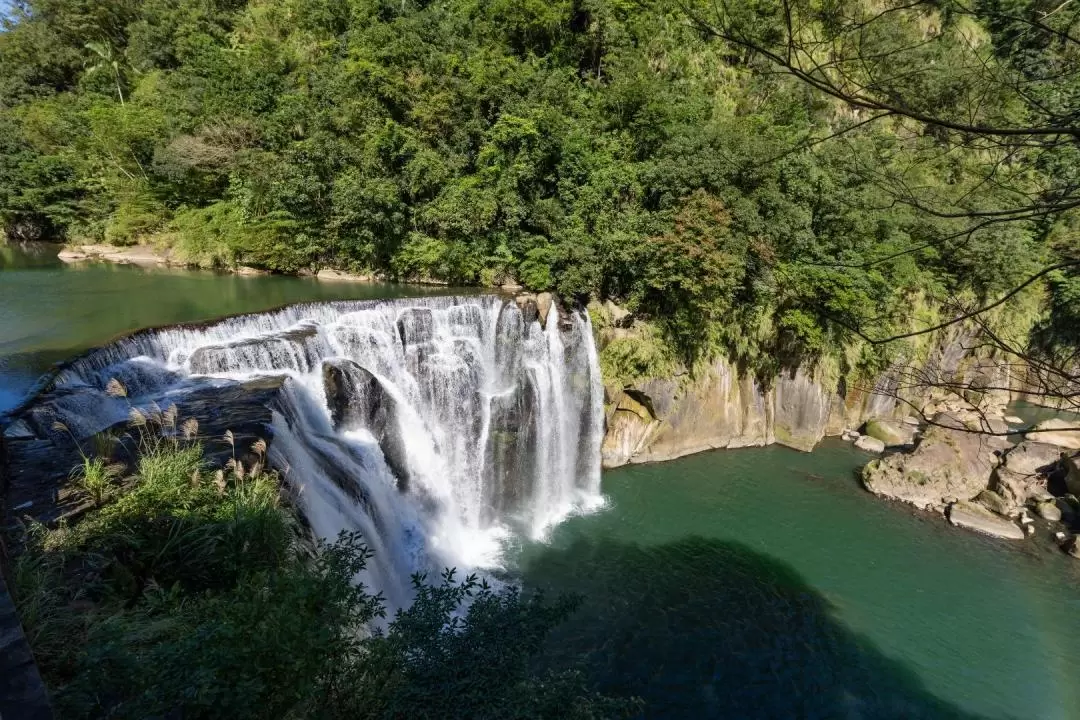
723, 406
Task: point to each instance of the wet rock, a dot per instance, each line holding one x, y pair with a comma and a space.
975, 517
890, 432
947, 463
358, 401
38, 467
544, 302
1013, 420
1056, 431
530, 311
294, 349
416, 326
870, 444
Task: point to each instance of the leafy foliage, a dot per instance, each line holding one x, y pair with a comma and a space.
595, 148
193, 593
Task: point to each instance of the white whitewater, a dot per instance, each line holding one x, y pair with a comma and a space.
434, 426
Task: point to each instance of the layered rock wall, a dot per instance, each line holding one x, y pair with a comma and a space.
725, 407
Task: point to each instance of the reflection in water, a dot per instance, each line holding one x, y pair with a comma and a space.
703, 628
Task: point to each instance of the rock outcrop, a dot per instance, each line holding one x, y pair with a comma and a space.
949, 464
723, 405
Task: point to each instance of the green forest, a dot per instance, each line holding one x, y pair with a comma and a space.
661, 154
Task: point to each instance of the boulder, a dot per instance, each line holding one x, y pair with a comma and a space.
870, 444
1033, 458
1048, 511
358, 400
1056, 431
948, 463
620, 317
890, 432
1072, 474
975, 517
1015, 488
530, 311
995, 503
544, 302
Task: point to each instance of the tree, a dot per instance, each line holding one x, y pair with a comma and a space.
991, 86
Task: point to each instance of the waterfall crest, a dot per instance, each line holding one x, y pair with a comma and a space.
434, 426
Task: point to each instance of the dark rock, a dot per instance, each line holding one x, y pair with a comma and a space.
22, 693
358, 400
416, 326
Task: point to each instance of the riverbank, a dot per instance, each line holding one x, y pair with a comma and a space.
151, 255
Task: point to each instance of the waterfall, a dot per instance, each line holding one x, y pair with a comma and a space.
436, 427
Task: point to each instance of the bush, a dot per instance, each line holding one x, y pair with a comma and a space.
191, 594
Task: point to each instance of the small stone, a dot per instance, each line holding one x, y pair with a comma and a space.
1029, 530
1060, 536
911, 420
1013, 420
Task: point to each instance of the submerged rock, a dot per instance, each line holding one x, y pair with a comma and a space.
975, 517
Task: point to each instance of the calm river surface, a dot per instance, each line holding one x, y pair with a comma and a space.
745, 584
50, 311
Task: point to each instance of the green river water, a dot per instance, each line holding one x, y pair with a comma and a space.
756, 583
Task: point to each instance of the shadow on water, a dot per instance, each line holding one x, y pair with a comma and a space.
703, 628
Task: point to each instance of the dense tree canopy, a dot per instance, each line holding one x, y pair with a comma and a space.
595, 147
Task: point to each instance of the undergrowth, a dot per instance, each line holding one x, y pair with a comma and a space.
190, 591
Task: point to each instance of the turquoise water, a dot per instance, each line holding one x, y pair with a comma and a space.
50, 311
765, 583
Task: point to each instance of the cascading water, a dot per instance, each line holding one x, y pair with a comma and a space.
435, 426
